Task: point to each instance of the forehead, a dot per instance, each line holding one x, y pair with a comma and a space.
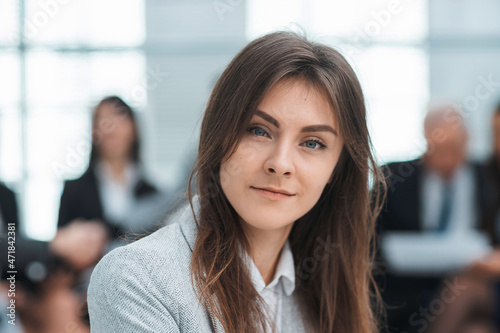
447, 136
108, 110
293, 101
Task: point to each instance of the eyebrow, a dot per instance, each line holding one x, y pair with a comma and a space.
312, 128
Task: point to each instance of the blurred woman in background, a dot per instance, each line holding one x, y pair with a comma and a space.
113, 191
112, 197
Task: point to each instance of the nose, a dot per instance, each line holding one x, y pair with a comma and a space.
280, 160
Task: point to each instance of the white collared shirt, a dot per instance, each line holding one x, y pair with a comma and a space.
283, 282
122, 208
117, 195
463, 214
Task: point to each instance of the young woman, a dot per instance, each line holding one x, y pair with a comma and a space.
278, 236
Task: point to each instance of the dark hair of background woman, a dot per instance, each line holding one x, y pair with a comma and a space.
340, 293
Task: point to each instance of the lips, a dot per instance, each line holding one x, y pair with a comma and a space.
275, 190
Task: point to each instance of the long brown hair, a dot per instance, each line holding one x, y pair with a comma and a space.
336, 292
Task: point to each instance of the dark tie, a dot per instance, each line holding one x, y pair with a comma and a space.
444, 215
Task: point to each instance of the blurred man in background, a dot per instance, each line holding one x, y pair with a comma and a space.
439, 193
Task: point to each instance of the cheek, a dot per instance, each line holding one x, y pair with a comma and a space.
313, 175
314, 180
243, 162
326, 169
127, 132
231, 173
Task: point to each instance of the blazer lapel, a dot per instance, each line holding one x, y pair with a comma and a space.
93, 195
190, 231
187, 223
216, 324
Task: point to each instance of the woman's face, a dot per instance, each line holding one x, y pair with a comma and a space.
114, 132
292, 144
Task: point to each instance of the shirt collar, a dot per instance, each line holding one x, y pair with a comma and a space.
105, 174
284, 270
458, 173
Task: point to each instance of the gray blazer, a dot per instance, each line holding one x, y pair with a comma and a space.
146, 286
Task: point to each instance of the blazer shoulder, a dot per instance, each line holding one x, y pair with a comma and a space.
163, 245
394, 166
402, 169
85, 179
162, 259
153, 275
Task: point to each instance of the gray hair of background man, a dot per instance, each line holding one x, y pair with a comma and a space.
443, 116
447, 137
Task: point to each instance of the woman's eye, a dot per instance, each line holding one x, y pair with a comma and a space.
313, 143
257, 131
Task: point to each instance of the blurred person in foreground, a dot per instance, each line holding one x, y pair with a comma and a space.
40, 295
440, 192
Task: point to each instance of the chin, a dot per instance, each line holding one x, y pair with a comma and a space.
269, 227
267, 224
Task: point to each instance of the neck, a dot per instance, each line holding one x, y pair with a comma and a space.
446, 176
265, 249
117, 166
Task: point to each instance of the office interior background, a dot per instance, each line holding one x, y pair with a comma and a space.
58, 58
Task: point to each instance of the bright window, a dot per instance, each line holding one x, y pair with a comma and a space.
74, 54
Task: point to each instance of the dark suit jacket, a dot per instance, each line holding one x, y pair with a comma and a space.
491, 170
81, 199
402, 209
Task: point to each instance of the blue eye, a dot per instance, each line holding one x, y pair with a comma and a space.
251, 129
256, 130
321, 145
